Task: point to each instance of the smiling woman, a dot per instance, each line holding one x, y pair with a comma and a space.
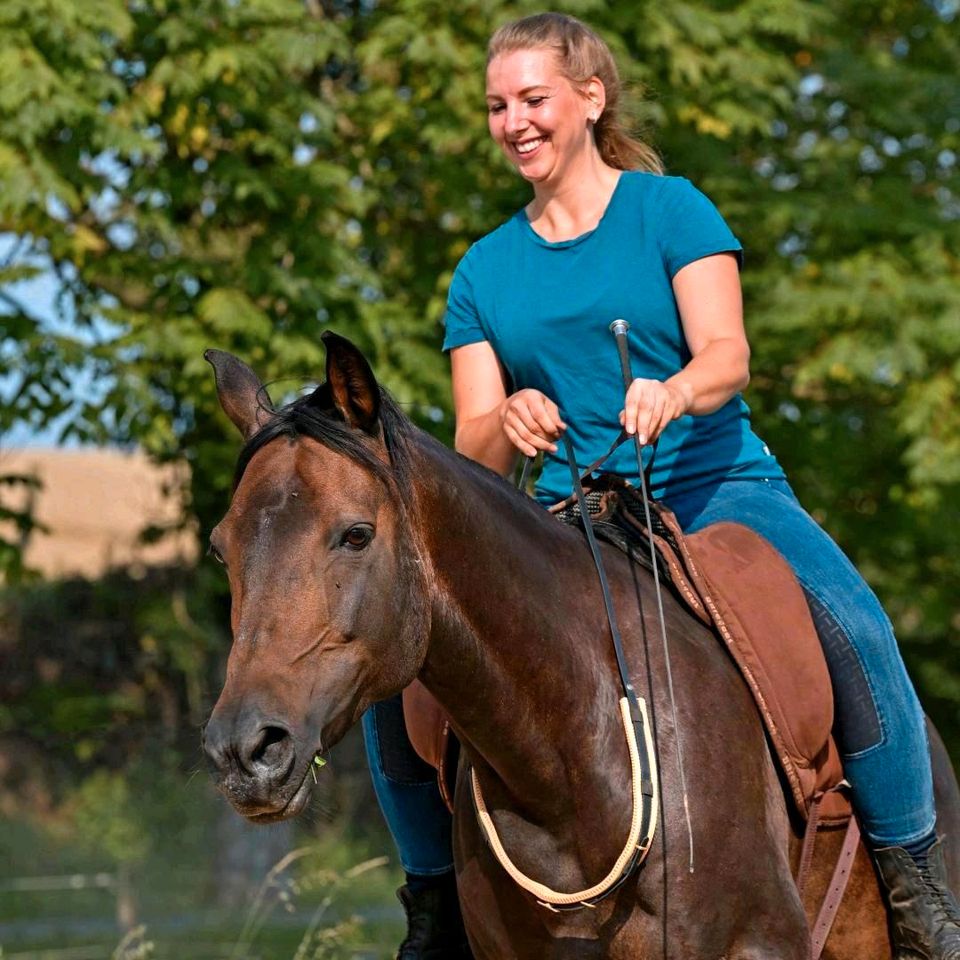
551, 72
606, 236
539, 120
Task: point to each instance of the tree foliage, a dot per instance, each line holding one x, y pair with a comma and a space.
244, 174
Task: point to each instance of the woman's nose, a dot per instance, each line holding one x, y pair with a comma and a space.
515, 120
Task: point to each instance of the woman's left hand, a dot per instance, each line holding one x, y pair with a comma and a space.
649, 406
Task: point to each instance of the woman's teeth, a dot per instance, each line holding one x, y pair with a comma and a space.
528, 146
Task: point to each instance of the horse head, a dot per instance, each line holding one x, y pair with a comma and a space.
328, 592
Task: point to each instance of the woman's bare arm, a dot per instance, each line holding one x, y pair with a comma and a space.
711, 311
492, 426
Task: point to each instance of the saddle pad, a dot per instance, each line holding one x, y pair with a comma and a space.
761, 614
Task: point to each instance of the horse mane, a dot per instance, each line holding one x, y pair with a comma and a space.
316, 417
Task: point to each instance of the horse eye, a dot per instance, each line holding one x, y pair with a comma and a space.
212, 551
357, 537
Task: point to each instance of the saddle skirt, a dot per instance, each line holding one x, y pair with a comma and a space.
736, 583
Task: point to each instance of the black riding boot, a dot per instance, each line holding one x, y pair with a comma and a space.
434, 924
924, 915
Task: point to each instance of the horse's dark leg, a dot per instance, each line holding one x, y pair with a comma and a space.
740, 903
763, 911
497, 927
503, 924
947, 796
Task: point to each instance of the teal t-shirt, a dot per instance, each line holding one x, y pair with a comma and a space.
546, 310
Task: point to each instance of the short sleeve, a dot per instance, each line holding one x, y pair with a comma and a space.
462, 319
690, 226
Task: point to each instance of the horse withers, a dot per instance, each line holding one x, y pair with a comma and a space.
361, 554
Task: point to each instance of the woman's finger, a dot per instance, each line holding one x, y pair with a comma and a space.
527, 419
649, 420
554, 412
666, 417
527, 449
531, 435
540, 420
635, 404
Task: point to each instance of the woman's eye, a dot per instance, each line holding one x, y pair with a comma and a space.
496, 108
535, 101
358, 537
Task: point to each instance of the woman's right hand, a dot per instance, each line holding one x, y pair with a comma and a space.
531, 421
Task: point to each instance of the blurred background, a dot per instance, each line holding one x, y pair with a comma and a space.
246, 173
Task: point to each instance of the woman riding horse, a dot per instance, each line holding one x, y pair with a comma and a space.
608, 236
361, 553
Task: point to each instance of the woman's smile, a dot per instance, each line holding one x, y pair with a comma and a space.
528, 148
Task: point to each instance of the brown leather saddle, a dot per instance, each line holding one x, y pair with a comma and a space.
735, 582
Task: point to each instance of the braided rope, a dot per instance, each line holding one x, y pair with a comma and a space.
543, 893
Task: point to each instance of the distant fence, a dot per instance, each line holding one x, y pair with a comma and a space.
69, 881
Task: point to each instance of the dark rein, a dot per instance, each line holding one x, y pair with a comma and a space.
648, 761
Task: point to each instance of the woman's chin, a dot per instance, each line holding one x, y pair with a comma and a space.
534, 172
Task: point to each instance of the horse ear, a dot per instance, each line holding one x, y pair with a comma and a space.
353, 387
240, 392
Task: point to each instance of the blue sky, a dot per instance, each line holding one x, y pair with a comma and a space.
38, 295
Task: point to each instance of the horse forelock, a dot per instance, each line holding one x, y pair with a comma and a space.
304, 418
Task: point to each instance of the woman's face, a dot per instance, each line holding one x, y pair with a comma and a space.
536, 116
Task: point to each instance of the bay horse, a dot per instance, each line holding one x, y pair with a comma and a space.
362, 553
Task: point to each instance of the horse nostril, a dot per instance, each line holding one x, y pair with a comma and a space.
214, 745
268, 749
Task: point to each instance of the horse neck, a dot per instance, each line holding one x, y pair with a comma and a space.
512, 654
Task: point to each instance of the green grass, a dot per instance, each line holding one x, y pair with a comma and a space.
331, 897
308, 907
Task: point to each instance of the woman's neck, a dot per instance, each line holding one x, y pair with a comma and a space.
574, 204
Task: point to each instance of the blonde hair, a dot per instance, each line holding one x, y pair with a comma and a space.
581, 55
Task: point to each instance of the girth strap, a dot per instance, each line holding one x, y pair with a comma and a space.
838, 881
809, 844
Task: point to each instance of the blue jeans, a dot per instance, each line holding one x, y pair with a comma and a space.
407, 791
879, 723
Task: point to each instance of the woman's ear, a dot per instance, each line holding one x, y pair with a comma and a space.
596, 95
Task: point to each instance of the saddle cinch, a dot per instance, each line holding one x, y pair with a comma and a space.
735, 582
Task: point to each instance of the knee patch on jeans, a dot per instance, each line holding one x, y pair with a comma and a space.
856, 721
398, 760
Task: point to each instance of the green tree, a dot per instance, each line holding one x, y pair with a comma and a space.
244, 174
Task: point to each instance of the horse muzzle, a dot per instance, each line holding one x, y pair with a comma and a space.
254, 763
